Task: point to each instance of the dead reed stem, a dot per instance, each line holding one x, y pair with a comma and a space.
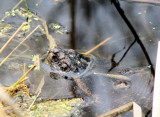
5, 45
24, 71
34, 100
17, 4
19, 45
137, 111
97, 46
114, 76
24, 75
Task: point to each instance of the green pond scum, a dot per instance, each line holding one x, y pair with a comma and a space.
31, 19
58, 108
4, 28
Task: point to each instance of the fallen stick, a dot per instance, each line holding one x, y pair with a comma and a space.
34, 100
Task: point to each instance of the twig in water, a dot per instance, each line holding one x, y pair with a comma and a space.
97, 46
24, 70
137, 111
40, 85
119, 77
5, 45
122, 14
34, 100
19, 45
23, 80
17, 4
19, 81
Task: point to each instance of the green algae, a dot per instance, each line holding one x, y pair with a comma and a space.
4, 28
26, 28
58, 108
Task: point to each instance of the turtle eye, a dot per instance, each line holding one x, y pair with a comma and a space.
55, 58
64, 67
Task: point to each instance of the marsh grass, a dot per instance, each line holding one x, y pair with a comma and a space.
19, 45
11, 38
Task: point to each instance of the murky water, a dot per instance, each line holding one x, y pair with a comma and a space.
94, 22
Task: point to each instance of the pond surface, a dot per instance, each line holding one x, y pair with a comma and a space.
94, 22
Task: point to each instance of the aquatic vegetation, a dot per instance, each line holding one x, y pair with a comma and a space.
58, 28
26, 28
4, 28
26, 6
35, 18
59, 108
14, 12
35, 58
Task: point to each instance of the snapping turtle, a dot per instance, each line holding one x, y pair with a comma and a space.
68, 63
93, 80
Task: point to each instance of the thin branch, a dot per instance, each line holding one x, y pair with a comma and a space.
34, 100
17, 4
119, 77
24, 70
121, 12
137, 111
115, 64
118, 111
73, 22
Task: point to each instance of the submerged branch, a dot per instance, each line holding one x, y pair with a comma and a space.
121, 12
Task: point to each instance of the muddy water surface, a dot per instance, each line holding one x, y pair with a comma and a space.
94, 21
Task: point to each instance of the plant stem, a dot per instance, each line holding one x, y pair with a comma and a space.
26, 6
